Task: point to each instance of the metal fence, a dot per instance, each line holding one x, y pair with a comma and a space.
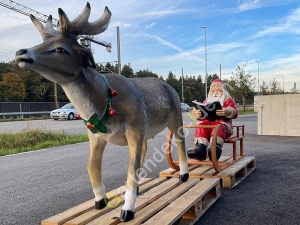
27, 109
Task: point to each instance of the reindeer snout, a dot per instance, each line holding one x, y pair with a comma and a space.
21, 52
23, 56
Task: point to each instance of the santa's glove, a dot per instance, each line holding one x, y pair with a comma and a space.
196, 113
229, 112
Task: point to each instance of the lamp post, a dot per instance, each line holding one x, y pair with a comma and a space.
182, 95
283, 83
205, 60
257, 77
118, 50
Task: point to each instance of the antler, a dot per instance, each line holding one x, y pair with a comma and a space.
80, 25
47, 30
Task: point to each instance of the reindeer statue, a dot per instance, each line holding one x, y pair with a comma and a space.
144, 106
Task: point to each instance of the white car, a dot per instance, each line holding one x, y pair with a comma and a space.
185, 107
68, 111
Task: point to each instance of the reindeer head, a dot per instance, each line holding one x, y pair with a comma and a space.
60, 58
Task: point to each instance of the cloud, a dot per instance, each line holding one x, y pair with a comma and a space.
151, 25
249, 5
290, 24
172, 46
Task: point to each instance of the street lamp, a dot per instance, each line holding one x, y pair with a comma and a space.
118, 50
283, 83
205, 60
258, 77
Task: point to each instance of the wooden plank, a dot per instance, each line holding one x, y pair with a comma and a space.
112, 217
234, 174
190, 168
69, 214
155, 195
168, 171
176, 209
113, 203
200, 171
233, 169
194, 169
160, 203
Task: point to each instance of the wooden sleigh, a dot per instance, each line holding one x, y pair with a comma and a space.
231, 169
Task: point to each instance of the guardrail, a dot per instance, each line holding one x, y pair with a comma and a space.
26, 109
23, 113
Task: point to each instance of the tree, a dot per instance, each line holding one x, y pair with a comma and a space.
241, 84
273, 88
264, 88
145, 73
127, 71
12, 88
172, 81
100, 68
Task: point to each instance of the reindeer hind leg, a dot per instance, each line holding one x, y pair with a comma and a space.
135, 145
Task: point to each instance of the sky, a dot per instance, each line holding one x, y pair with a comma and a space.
260, 36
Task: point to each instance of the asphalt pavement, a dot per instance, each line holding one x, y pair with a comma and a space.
40, 184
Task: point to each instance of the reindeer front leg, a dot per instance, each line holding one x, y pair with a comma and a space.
177, 130
135, 144
182, 156
94, 168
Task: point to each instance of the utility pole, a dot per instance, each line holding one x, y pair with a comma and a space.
182, 96
205, 61
118, 46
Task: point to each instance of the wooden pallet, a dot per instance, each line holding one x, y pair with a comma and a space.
160, 201
230, 176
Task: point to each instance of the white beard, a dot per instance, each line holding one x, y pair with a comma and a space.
221, 99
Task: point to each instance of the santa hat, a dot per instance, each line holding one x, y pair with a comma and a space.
220, 82
217, 80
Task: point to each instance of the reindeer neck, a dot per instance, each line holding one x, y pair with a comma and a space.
88, 93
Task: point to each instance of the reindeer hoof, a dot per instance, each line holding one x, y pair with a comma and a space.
101, 204
183, 177
126, 215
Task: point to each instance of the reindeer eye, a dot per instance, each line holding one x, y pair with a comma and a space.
60, 50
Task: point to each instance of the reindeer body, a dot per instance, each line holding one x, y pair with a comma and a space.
145, 106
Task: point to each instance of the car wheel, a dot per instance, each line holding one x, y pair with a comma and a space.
71, 116
187, 110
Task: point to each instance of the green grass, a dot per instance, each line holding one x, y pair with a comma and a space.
11, 118
34, 139
248, 111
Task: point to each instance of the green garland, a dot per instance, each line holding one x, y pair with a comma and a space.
99, 124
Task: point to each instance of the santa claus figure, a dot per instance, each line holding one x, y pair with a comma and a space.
203, 136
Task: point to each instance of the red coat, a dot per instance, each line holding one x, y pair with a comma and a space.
228, 103
226, 130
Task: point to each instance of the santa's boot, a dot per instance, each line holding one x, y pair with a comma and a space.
218, 151
199, 152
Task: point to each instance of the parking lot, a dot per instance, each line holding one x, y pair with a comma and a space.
37, 185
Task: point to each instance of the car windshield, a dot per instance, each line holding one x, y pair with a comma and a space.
68, 106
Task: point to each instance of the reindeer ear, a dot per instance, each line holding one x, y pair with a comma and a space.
86, 55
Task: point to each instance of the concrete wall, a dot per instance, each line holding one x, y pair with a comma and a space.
278, 115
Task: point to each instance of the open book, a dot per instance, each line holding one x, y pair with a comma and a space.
208, 111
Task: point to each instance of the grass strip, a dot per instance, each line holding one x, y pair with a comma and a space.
34, 139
